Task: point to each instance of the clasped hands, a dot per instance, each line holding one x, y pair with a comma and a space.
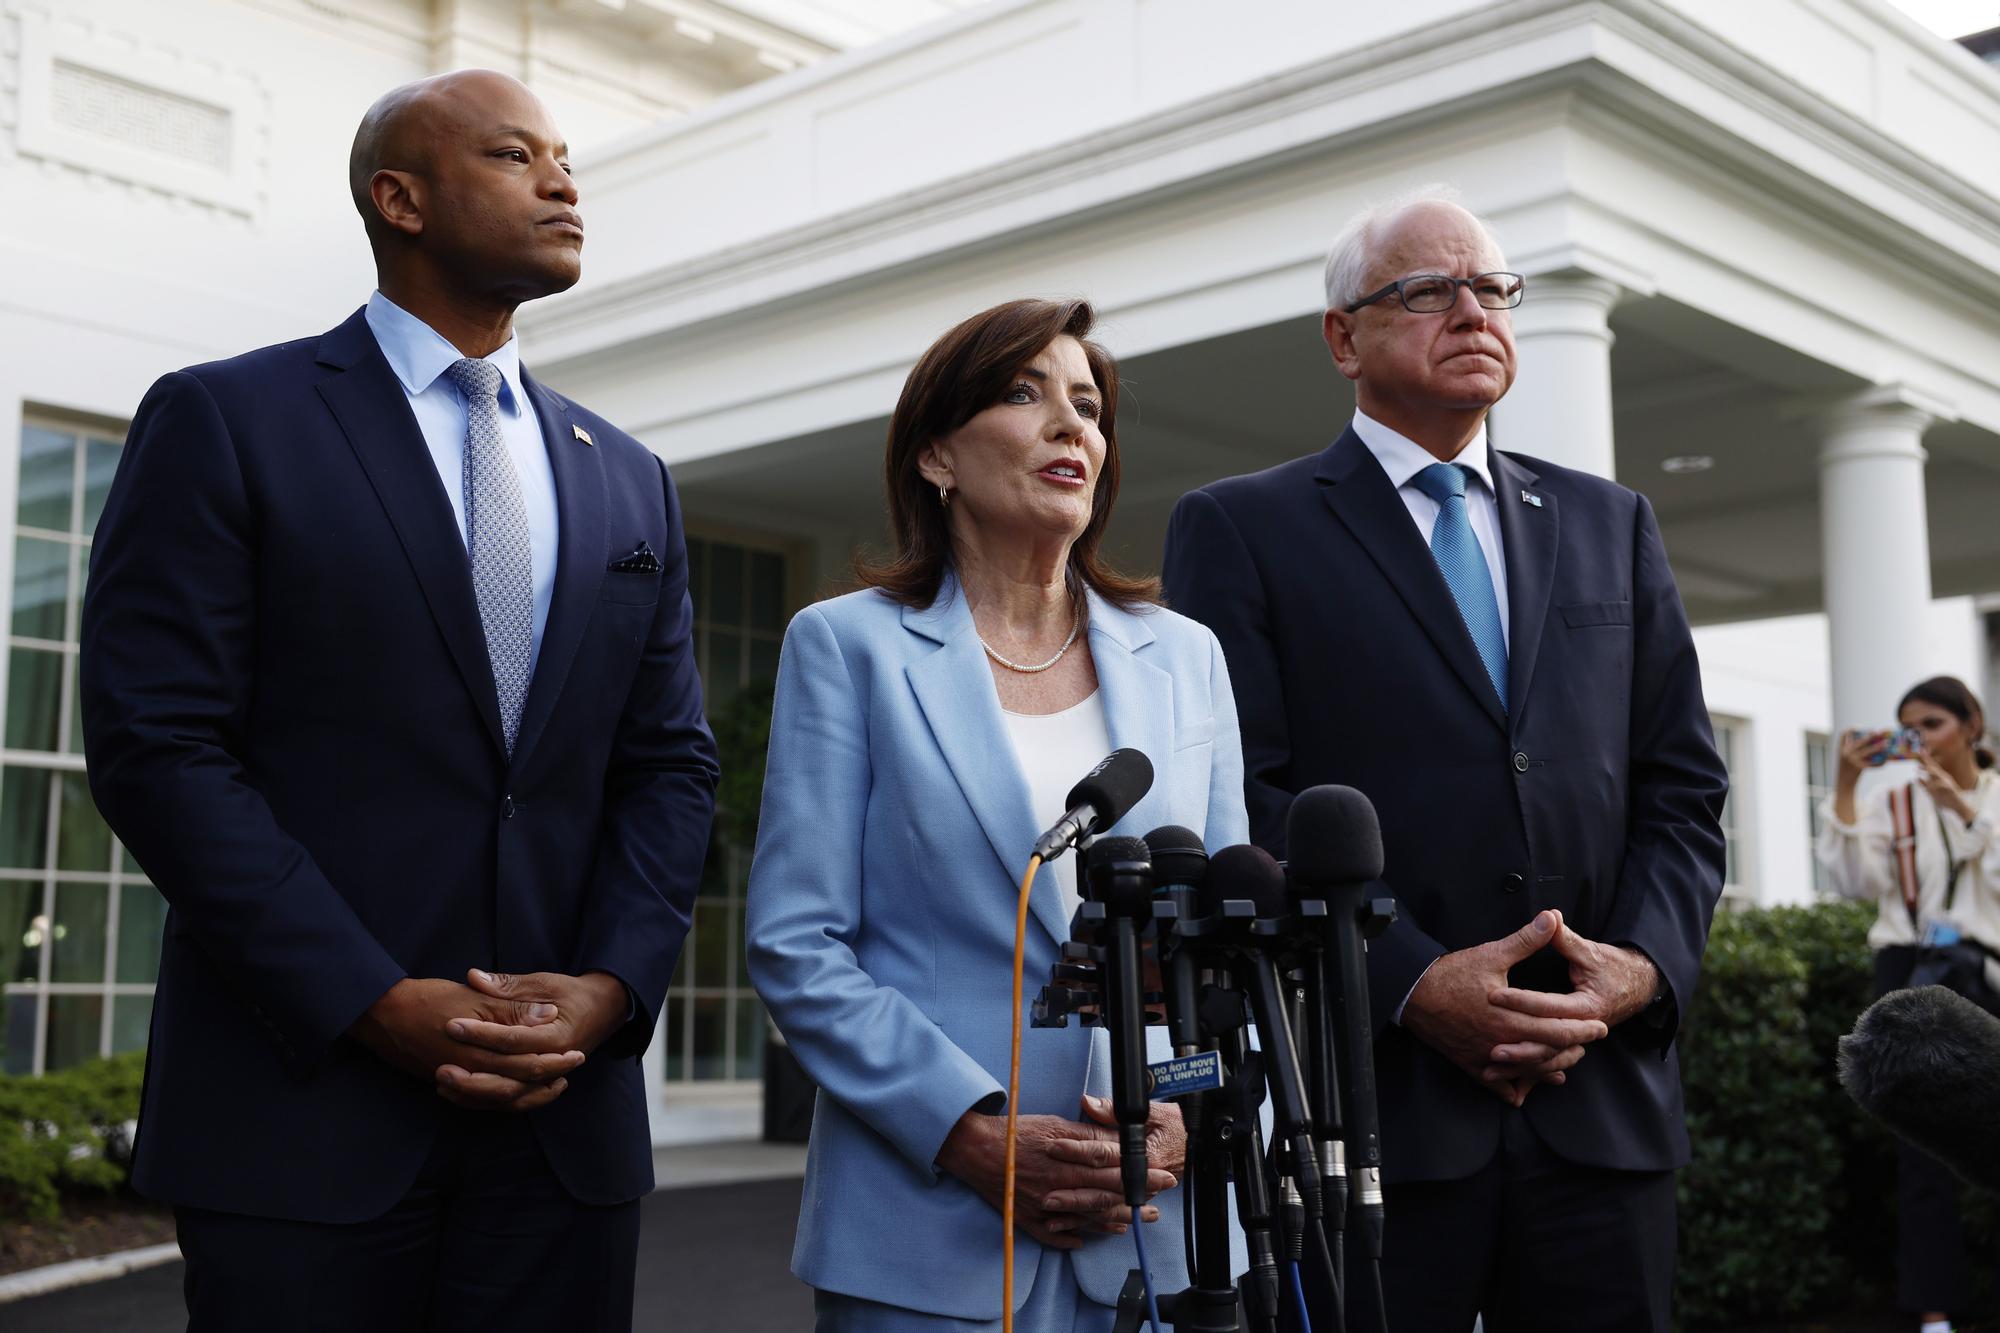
501, 1042
1066, 1178
1511, 1039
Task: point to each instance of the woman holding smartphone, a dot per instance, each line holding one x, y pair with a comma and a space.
1927, 850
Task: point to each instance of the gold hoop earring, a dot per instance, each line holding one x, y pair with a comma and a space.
944, 497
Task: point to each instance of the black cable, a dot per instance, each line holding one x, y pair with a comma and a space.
1381, 1302
1325, 1247
1187, 1207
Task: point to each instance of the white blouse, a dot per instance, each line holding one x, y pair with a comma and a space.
1054, 751
1861, 864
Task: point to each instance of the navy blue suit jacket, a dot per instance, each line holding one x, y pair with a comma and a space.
291, 722
1599, 793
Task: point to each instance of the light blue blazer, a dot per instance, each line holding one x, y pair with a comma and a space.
895, 827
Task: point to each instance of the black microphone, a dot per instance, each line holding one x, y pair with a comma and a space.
1926, 1063
1099, 801
1120, 876
1180, 862
1335, 842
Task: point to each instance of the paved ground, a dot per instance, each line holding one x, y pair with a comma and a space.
712, 1256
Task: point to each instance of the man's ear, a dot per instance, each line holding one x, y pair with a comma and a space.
934, 462
398, 198
1337, 327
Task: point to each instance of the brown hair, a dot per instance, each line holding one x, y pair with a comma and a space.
964, 373
1955, 697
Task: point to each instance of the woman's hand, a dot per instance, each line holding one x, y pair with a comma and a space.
1054, 1197
1858, 750
1944, 791
1166, 1159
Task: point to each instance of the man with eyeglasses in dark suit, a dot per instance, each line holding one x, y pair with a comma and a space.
1493, 650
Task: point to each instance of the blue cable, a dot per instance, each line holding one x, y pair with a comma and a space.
1299, 1294
1146, 1270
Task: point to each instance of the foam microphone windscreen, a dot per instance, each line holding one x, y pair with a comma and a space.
1117, 784
1244, 871
1926, 1063
1333, 837
1178, 855
1117, 872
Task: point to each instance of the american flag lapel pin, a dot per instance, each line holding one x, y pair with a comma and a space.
584, 435
1529, 496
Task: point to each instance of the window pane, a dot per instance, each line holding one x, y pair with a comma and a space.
24, 817
675, 1038
725, 667
131, 866
100, 462
725, 585
711, 1037
34, 698
767, 590
83, 913
763, 660
130, 1015
710, 942
142, 921
41, 585
697, 571
83, 840
19, 1036
48, 473
20, 933
75, 707
76, 1023
749, 1037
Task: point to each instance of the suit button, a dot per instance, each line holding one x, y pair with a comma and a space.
1512, 883
507, 807
1520, 762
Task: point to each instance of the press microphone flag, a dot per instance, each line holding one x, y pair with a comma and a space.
1117, 784
1926, 1063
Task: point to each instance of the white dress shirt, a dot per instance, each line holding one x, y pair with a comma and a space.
1054, 751
420, 355
1403, 458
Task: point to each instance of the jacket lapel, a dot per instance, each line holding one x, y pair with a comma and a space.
1360, 496
373, 411
581, 555
1138, 702
1528, 534
963, 710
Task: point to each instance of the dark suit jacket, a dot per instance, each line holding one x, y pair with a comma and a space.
1599, 793
291, 722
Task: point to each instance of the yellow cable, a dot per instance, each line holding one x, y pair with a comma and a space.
1014, 1101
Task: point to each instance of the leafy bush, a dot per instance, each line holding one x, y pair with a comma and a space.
1788, 1206
68, 1131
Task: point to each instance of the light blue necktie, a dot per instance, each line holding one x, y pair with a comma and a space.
497, 542
1455, 547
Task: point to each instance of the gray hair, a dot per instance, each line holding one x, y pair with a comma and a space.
1353, 250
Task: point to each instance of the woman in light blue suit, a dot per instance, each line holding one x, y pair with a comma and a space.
925, 732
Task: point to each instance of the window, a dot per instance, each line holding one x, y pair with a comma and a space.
1731, 742
1821, 760
714, 1022
79, 924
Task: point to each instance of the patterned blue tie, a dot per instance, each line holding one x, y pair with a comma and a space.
497, 542
1455, 547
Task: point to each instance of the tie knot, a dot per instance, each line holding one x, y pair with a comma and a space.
475, 379
1442, 481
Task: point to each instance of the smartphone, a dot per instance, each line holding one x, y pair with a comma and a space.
1903, 743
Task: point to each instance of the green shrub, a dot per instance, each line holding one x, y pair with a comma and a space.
1788, 1208
67, 1131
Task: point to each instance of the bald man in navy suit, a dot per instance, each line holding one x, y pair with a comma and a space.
1493, 650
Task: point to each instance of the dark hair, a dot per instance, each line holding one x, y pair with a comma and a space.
964, 373
1955, 697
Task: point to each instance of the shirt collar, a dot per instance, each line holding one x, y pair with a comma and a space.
419, 354
1403, 458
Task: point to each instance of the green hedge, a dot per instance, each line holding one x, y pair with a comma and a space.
1788, 1207
66, 1132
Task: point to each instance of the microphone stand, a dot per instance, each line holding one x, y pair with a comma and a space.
1351, 922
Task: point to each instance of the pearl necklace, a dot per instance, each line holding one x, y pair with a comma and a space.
1074, 626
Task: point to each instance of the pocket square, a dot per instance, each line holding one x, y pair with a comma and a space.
640, 560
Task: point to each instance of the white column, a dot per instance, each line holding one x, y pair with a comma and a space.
1875, 549
1560, 405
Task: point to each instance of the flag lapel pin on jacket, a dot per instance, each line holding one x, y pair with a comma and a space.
1529, 496
584, 435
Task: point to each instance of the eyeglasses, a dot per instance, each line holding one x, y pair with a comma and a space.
1435, 293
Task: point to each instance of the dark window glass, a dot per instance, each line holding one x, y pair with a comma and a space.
142, 921
767, 590
34, 697
21, 935
83, 914
24, 817
83, 839
18, 1055
676, 1037
711, 1036
48, 476
41, 587
76, 1023
749, 1038
130, 1015
725, 585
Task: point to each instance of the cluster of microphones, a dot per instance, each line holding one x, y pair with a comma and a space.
1257, 970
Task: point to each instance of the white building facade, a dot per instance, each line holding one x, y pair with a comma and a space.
1762, 245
